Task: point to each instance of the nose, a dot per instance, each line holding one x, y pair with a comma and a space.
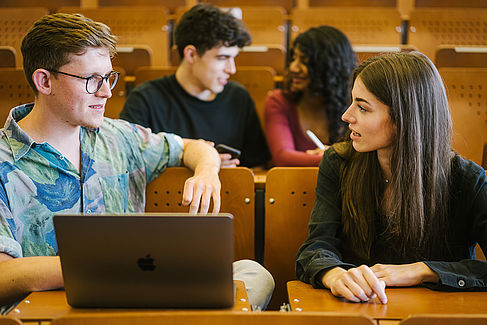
348, 116
230, 66
294, 66
104, 91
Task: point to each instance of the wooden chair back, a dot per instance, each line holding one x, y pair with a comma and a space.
134, 25
259, 82
347, 3
267, 56
364, 52
8, 57
380, 27
115, 104
466, 96
133, 56
286, 4
432, 27
164, 194
289, 199
450, 3
52, 6
214, 318
144, 74
172, 5
445, 319
14, 91
266, 24
449, 56
14, 24
7, 320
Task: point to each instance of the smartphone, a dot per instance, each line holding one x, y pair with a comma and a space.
223, 148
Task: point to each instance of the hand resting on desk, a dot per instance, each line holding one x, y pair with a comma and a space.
364, 283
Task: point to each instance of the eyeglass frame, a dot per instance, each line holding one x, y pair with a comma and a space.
104, 78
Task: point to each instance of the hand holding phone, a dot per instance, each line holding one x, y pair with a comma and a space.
222, 148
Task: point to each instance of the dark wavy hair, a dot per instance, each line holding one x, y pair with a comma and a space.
205, 27
330, 62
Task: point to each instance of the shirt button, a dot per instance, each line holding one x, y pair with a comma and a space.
461, 283
61, 157
88, 211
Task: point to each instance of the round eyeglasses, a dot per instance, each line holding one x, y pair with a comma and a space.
94, 82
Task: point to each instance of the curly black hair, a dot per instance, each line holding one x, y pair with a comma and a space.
330, 62
206, 26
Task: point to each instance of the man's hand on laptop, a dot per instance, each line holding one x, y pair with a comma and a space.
205, 185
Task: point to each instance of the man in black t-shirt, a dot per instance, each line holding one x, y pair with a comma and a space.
199, 101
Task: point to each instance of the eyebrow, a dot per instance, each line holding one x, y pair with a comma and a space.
358, 99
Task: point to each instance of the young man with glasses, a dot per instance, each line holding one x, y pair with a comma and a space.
60, 155
199, 101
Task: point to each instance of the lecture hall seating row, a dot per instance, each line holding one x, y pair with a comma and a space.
466, 91
383, 24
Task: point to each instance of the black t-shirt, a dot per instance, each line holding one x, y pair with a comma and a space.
164, 106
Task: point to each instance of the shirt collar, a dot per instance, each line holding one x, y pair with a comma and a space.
20, 142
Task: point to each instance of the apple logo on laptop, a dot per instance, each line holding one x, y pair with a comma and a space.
146, 263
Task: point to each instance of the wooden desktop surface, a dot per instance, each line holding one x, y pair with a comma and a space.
401, 302
46, 305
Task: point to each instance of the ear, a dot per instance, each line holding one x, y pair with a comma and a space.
42, 81
190, 53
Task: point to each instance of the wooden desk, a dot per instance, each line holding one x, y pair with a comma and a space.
40, 307
401, 302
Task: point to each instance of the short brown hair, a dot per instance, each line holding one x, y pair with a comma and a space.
53, 38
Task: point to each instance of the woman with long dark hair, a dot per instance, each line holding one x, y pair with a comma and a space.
396, 206
315, 95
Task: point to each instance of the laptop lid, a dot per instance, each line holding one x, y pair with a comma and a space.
147, 260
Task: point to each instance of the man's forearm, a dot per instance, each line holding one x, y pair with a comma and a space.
198, 155
20, 276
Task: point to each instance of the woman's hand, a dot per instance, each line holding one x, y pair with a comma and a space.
356, 284
317, 151
404, 275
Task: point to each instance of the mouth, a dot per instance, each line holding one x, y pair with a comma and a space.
297, 79
356, 134
97, 107
223, 81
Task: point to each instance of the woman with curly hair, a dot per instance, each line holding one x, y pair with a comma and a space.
315, 95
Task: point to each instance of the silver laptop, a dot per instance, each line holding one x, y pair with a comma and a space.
147, 260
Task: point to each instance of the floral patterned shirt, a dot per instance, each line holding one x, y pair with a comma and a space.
36, 181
